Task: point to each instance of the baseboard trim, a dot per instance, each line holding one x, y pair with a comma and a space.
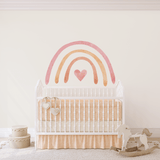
5, 132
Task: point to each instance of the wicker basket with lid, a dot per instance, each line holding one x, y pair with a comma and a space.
19, 137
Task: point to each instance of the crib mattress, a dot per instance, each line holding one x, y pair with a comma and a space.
107, 126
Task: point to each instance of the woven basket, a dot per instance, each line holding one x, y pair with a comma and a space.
19, 142
19, 131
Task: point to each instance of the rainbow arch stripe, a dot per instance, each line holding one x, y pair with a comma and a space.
79, 43
77, 59
89, 53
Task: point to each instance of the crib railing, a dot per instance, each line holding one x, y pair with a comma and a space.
68, 91
100, 108
93, 124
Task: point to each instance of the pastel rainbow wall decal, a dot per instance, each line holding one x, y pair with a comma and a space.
89, 53
77, 59
80, 43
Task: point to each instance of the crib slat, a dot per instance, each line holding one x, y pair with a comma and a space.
107, 92
46, 112
50, 93
46, 92
45, 120
93, 114
62, 92
112, 115
117, 114
98, 115
103, 92
40, 115
48, 142
74, 116
50, 117
58, 92
66, 93
88, 115
84, 116
111, 92
55, 117
90, 92
69, 116
79, 117
108, 116
103, 114
65, 115
60, 116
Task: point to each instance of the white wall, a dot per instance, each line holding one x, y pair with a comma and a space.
28, 41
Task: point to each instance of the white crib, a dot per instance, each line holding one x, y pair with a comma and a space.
95, 119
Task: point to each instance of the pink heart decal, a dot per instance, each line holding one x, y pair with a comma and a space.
80, 75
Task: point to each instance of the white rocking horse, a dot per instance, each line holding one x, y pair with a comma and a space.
125, 131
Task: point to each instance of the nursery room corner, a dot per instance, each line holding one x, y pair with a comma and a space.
79, 79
